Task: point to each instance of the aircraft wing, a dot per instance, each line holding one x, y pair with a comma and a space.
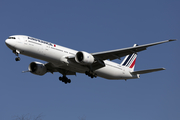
118, 53
51, 68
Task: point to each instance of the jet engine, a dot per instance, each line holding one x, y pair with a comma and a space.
37, 68
84, 58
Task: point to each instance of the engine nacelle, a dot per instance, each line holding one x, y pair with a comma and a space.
37, 68
84, 58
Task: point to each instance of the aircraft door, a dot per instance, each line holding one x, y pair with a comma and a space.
42, 50
25, 41
20, 40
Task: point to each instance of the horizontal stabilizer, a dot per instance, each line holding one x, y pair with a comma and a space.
147, 71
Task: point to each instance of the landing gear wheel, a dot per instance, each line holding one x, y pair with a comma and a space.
69, 81
17, 59
17, 52
65, 79
91, 74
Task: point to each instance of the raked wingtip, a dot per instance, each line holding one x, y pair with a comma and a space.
172, 40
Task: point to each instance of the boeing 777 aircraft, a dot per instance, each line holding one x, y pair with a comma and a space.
69, 62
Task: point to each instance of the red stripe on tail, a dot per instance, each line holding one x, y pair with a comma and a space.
132, 65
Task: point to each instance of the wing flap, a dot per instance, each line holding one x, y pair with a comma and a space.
147, 71
96, 65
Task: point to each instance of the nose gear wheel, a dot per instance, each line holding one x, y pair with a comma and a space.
16, 52
17, 59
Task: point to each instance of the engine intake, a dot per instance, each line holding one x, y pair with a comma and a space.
37, 68
84, 58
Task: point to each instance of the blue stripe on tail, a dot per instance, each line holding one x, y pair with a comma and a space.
127, 59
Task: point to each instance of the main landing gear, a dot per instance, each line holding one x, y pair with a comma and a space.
91, 74
64, 79
16, 52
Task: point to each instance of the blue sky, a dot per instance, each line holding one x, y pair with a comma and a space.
92, 26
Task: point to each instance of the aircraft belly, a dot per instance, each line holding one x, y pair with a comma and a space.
112, 73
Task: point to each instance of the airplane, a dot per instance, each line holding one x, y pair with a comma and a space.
69, 62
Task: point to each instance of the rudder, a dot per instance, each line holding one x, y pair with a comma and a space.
130, 60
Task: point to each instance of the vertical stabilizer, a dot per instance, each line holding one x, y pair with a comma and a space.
130, 60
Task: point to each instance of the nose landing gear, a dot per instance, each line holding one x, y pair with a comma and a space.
17, 59
16, 52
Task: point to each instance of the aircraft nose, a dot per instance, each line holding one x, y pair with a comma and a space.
9, 43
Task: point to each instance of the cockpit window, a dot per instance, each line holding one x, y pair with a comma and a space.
11, 38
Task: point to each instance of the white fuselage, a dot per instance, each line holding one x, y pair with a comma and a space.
57, 54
